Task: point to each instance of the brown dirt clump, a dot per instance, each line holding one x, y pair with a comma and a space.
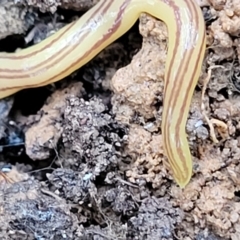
45, 128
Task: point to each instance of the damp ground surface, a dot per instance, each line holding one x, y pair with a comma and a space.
83, 158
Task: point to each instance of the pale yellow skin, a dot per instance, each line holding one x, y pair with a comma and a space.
77, 43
